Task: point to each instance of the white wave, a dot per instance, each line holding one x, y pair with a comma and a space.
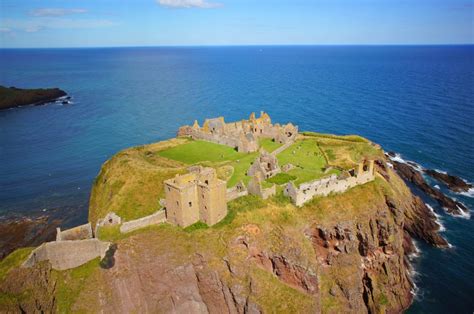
437, 187
464, 214
399, 158
469, 193
440, 171
438, 218
390, 165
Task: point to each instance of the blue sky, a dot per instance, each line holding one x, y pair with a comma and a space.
93, 23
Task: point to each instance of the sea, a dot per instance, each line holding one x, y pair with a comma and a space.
415, 100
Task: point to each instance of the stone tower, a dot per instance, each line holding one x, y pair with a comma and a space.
197, 195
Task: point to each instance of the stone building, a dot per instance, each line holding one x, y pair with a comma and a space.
266, 164
333, 184
255, 187
241, 135
196, 196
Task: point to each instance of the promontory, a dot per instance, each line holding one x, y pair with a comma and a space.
233, 217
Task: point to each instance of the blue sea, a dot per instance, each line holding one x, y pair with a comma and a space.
415, 100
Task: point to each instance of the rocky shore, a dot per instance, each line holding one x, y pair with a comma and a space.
22, 231
408, 172
11, 97
454, 183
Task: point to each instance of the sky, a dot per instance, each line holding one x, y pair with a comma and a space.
108, 23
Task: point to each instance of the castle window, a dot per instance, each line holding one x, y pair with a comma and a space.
190, 204
177, 203
169, 189
365, 168
202, 195
207, 182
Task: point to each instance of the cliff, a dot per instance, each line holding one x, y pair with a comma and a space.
14, 97
342, 253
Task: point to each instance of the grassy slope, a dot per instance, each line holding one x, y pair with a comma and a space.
15, 259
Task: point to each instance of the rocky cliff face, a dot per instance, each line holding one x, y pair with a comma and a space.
343, 253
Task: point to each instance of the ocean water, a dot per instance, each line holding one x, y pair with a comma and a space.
416, 100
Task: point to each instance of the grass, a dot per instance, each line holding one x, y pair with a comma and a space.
240, 169
281, 178
242, 204
268, 144
14, 259
307, 158
196, 226
72, 282
199, 151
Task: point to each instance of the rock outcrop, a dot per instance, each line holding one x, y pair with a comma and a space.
412, 175
454, 183
16, 97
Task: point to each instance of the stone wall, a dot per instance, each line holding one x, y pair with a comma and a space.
237, 191
322, 187
67, 254
77, 233
156, 218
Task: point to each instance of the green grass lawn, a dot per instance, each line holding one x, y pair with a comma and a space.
308, 160
240, 169
268, 144
281, 178
201, 151
198, 151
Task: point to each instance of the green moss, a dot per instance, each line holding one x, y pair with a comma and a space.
14, 259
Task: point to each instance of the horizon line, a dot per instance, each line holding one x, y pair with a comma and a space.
249, 45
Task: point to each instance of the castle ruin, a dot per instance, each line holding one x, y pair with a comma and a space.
266, 164
332, 184
196, 196
242, 135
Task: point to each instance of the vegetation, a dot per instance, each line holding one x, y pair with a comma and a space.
281, 178
14, 259
198, 151
14, 97
72, 282
307, 158
268, 144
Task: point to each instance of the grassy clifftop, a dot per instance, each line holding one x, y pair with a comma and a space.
131, 183
339, 252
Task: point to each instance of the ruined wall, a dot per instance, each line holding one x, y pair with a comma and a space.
67, 254
322, 187
156, 218
255, 188
77, 233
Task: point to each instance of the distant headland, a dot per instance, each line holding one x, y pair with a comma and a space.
11, 97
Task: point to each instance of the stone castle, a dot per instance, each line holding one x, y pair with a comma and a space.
200, 195
242, 135
196, 196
